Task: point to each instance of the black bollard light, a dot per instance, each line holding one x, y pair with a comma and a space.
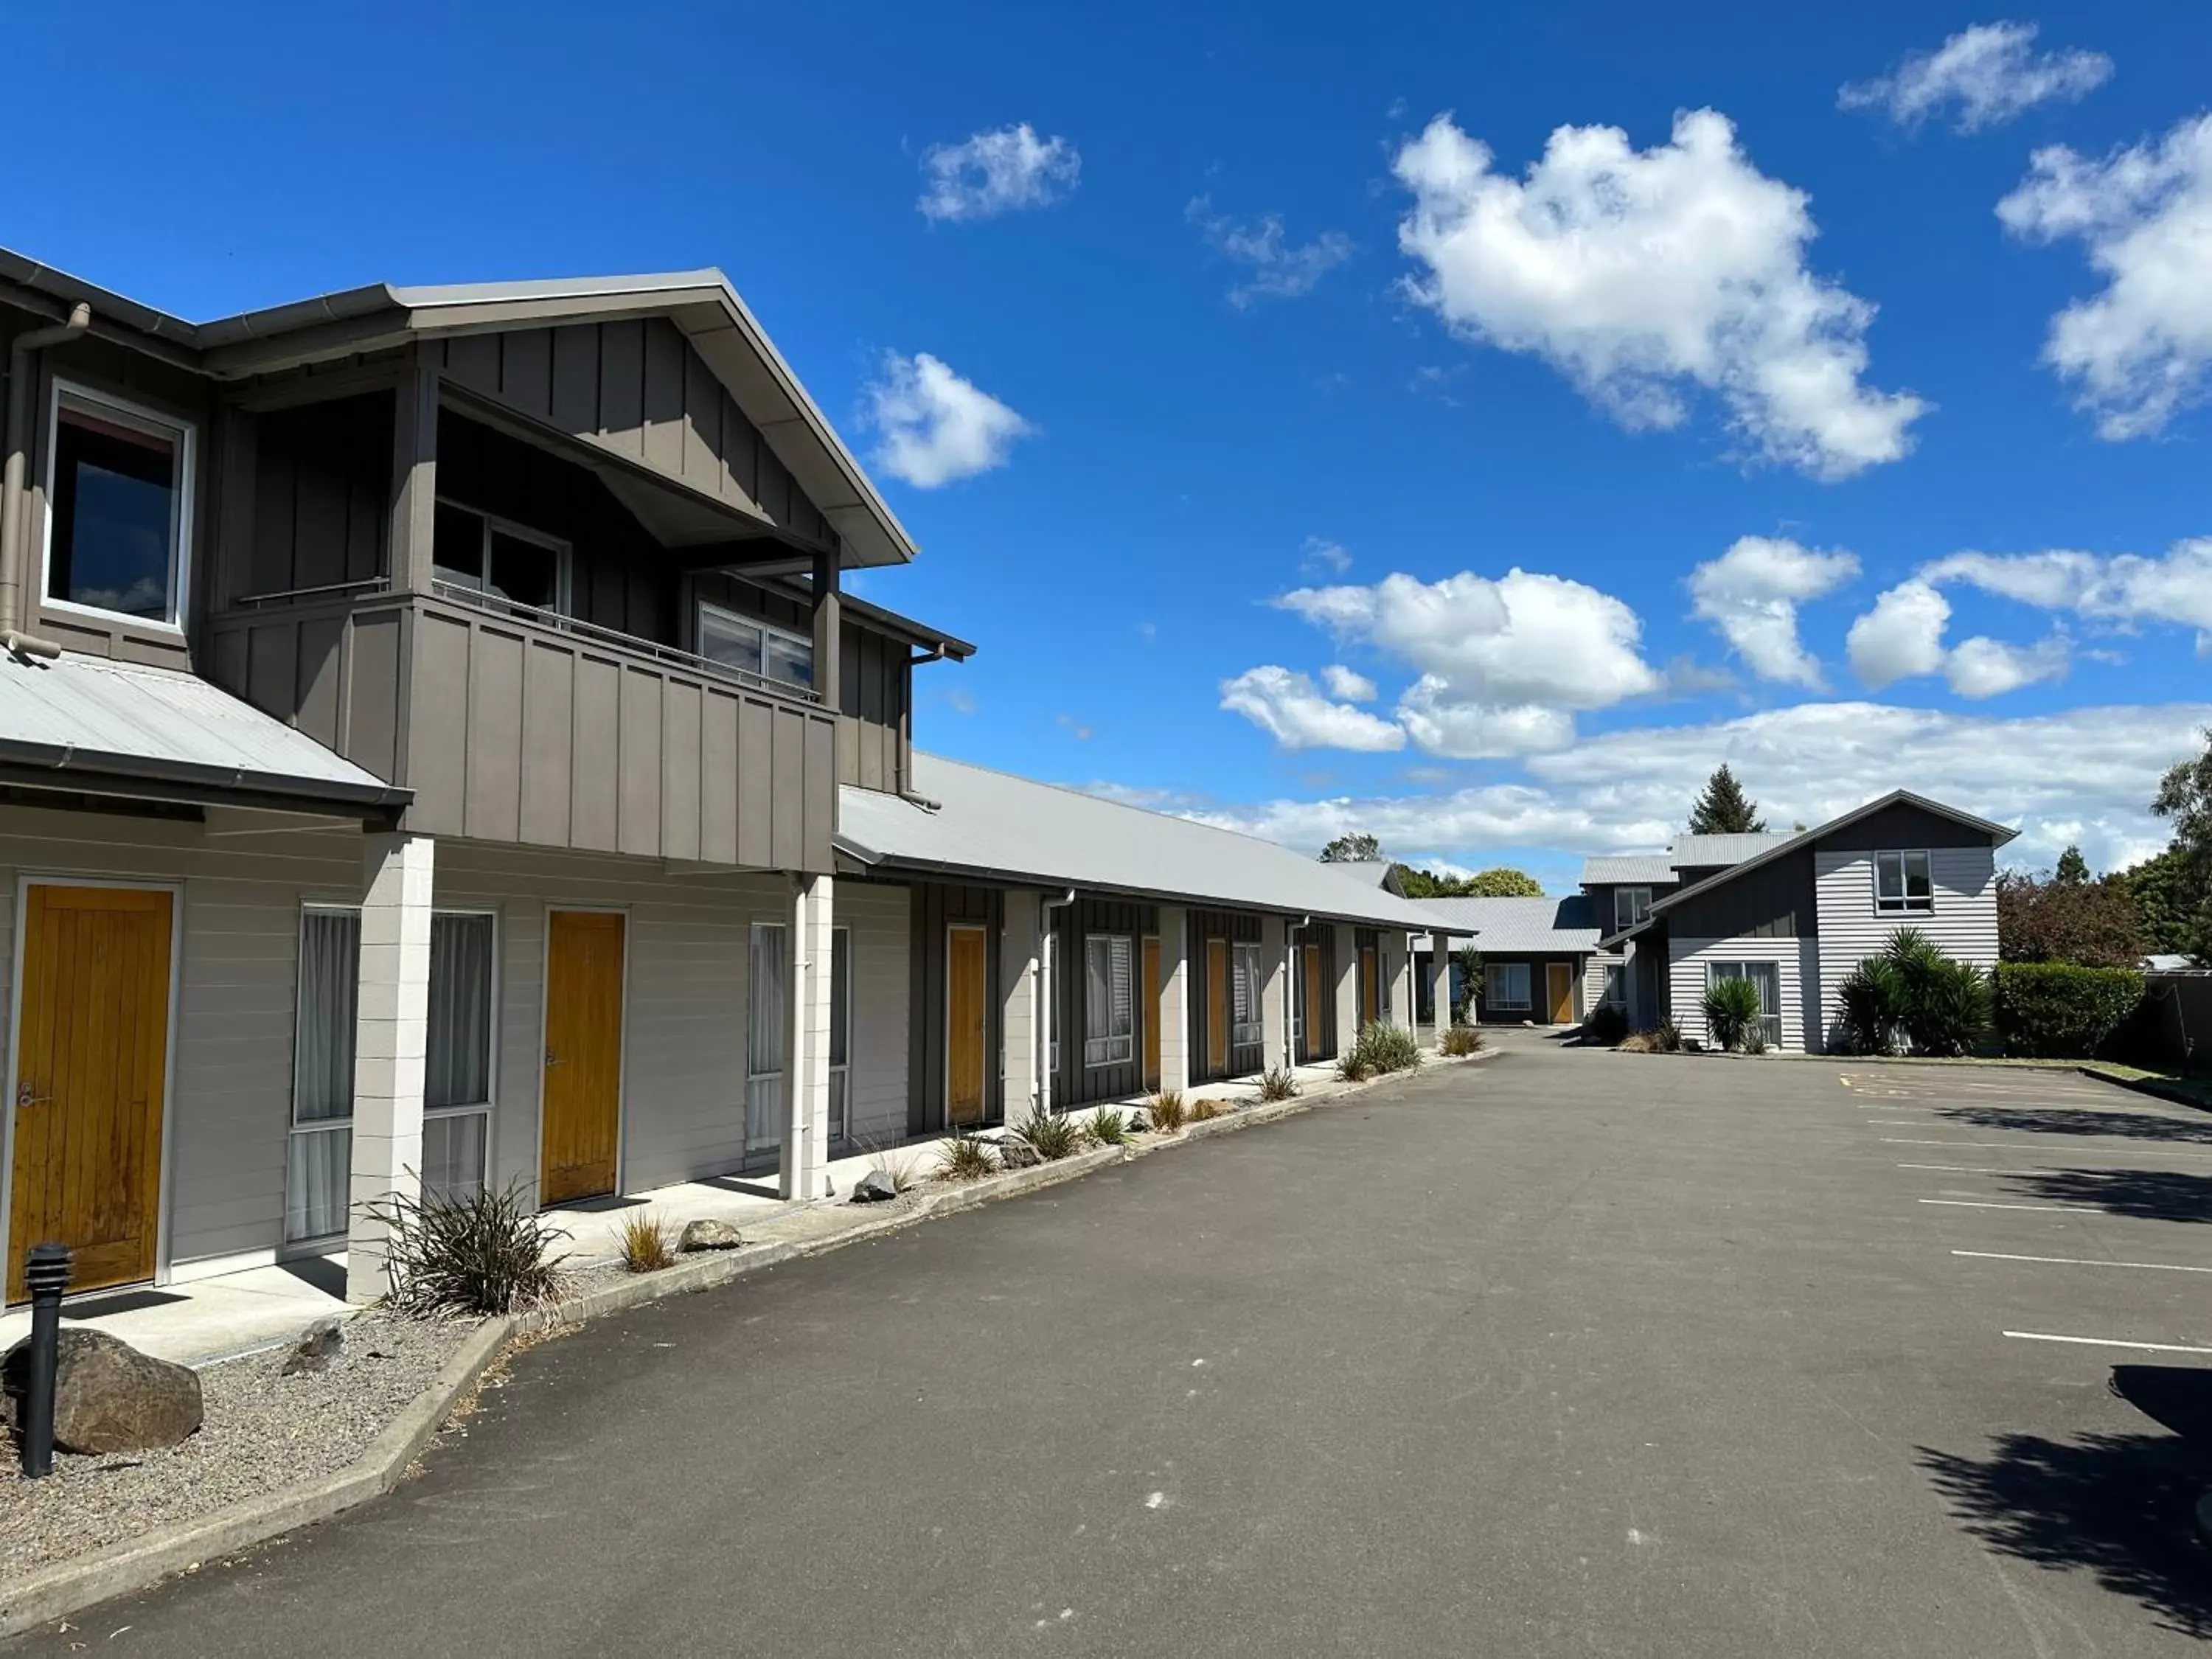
46, 1271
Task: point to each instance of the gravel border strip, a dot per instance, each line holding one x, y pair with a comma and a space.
136, 1563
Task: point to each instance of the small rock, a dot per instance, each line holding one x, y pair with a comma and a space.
1017, 1154
321, 1348
709, 1234
108, 1397
874, 1188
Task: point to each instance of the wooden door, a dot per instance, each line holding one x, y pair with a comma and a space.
1370, 997
91, 1069
1150, 1014
583, 1055
964, 1046
1312, 1026
1559, 992
1217, 1008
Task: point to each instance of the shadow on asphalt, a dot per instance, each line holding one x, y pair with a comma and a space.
2120, 1505
2144, 1194
2060, 1120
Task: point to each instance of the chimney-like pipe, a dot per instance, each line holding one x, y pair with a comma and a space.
14, 613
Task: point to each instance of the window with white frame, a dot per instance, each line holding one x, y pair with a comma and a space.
500, 558
1903, 881
1245, 1009
1767, 976
1630, 905
457, 1071
768, 1033
755, 647
1109, 1002
1505, 985
118, 495
1616, 987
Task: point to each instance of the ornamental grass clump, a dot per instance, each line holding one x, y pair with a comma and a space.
646, 1244
1050, 1135
1381, 1048
1106, 1128
1458, 1040
965, 1156
1276, 1083
1166, 1112
489, 1253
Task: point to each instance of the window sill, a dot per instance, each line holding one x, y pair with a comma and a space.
113, 618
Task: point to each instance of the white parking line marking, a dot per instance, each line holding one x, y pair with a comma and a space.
2077, 1261
2041, 1146
2048, 1209
2108, 1342
1964, 1169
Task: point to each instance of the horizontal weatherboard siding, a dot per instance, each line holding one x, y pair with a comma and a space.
1799, 978
1964, 921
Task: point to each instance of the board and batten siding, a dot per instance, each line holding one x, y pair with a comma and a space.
1964, 921
1800, 977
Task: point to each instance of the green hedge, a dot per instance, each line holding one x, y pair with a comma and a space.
2055, 1011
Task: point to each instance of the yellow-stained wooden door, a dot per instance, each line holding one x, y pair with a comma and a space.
1559, 989
1217, 1008
91, 1066
1371, 989
1150, 1012
1311, 1027
583, 1055
965, 1050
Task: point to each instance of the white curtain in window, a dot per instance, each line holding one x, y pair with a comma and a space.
768, 1032
1109, 1015
840, 1030
319, 1159
317, 1181
453, 1154
1246, 996
457, 1064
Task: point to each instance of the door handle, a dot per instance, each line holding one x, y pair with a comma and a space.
551, 1058
24, 1097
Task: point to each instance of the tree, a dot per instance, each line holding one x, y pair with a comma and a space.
2073, 868
1722, 809
1504, 882
2185, 800
1358, 848
2160, 888
2090, 924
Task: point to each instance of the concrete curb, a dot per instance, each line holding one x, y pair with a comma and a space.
138, 1564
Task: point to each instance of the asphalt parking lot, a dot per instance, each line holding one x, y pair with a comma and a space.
1573, 1352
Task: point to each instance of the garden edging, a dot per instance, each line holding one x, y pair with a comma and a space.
138, 1562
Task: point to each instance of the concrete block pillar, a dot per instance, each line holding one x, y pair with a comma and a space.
1347, 987
390, 1034
1021, 1011
1440, 984
1275, 993
1175, 999
1398, 979
803, 1169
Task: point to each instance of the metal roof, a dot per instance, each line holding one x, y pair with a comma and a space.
1504, 925
1376, 870
1638, 867
88, 721
995, 827
1695, 852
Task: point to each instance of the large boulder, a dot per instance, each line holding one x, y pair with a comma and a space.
1015, 1153
709, 1234
108, 1397
876, 1187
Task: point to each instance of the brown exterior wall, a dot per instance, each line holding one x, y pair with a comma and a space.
936, 905
321, 494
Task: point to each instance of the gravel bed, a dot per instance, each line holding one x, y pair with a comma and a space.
263, 1431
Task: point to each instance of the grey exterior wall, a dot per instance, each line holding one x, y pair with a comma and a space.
1538, 962
1774, 901
932, 907
1902, 824
1317, 1032
1963, 923
1235, 928
1799, 975
1076, 1084
321, 501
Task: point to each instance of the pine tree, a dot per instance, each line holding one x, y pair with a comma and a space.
2073, 868
1724, 810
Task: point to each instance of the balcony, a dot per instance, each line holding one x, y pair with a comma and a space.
517, 725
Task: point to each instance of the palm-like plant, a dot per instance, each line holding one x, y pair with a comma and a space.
1733, 1011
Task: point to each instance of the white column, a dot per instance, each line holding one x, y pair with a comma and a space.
1347, 988
389, 1033
805, 1151
1275, 993
1175, 999
1021, 1011
1440, 983
1398, 974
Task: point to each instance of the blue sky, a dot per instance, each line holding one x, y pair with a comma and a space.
1276, 301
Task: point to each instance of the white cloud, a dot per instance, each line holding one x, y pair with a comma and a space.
1324, 558
1347, 685
994, 173
1641, 275
2141, 351
1442, 723
1902, 637
1991, 72
1281, 269
1287, 706
2082, 775
1752, 592
936, 427
2121, 590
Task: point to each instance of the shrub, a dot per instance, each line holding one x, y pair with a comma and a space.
1107, 1128
1949, 1014
1050, 1135
2054, 1011
1460, 1039
1605, 1024
1733, 1011
1166, 1112
1381, 1048
965, 1156
1664, 1038
1351, 1068
483, 1255
646, 1245
1870, 1003
1913, 994
1276, 1083
1207, 1109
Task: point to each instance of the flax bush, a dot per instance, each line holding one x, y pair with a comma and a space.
489, 1254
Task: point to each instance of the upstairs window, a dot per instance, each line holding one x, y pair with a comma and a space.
1902, 882
119, 484
1630, 906
755, 647
500, 559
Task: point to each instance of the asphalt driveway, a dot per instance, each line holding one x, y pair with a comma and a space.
1574, 1352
